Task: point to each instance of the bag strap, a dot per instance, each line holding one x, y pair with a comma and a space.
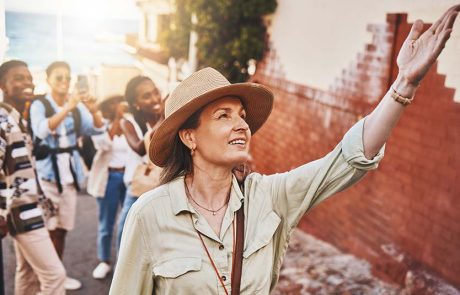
238, 263
6, 106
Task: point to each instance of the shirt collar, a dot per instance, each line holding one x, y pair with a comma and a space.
179, 197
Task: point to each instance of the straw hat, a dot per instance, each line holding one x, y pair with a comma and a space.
195, 92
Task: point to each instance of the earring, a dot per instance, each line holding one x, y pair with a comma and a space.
192, 150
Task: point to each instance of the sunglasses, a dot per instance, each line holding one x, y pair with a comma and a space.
61, 78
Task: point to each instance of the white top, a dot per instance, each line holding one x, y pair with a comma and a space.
118, 153
110, 153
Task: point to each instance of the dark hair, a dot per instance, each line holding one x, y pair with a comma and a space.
180, 162
104, 105
8, 65
55, 65
130, 95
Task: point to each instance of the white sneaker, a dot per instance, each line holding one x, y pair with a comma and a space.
72, 284
101, 271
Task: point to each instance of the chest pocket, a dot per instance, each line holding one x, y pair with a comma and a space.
265, 231
176, 267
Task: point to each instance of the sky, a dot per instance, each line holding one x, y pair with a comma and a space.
85, 8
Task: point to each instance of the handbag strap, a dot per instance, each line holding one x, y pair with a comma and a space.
238, 262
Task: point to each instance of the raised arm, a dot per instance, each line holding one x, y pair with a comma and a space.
134, 142
419, 51
55, 120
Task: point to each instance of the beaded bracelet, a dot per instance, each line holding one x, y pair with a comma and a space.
399, 98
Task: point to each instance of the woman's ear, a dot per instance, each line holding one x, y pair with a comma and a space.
187, 137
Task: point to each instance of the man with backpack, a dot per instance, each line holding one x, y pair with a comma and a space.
38, 267
57, 120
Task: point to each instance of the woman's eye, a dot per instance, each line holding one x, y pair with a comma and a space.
222, 116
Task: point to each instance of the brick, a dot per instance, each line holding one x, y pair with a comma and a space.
412, 201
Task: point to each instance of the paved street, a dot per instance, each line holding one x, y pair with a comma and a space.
311, 266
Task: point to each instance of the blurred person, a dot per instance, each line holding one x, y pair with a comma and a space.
145, 105
38, 267
105, 180
181, 237
57, 120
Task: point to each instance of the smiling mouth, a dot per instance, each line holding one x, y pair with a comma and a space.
28, 91
238, 142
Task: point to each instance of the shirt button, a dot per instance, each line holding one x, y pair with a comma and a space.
221, 247
224, 278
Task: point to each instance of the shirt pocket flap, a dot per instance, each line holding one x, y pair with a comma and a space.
177, 266
266, 230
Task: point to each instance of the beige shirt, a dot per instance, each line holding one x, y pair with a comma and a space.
161, 250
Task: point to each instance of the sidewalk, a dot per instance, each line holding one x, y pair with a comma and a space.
310, 267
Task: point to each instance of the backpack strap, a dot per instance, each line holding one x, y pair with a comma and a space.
49, 112
6, 106
76, 116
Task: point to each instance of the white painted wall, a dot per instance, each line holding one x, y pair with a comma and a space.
315, 39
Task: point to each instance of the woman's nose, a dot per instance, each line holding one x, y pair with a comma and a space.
241, 124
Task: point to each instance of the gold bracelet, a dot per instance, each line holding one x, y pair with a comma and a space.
399, 98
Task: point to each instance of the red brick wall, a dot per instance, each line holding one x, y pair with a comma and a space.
406, 214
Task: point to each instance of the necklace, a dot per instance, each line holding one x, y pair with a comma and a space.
214, 212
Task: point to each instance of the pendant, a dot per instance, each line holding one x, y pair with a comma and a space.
213, 212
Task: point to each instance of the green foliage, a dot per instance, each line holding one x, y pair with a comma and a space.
230, 33
175, 38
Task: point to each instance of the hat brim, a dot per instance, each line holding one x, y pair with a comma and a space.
256, 99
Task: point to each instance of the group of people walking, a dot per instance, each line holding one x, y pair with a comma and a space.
43, 170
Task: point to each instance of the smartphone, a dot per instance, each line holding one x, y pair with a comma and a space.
82, 85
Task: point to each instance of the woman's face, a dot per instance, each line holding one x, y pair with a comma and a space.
222, 136
148, 98
59, 80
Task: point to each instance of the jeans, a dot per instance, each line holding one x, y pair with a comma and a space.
129, 201
108, 206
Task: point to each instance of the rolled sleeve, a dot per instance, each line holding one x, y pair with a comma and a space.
353, 149
38, 120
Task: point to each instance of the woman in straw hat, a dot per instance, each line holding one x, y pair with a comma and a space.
185, 237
